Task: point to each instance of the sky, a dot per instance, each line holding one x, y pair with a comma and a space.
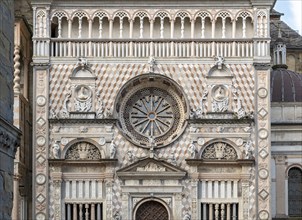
292, 10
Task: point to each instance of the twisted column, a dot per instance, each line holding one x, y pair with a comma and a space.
17, 69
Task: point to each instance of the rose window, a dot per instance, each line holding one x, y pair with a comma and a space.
151, 106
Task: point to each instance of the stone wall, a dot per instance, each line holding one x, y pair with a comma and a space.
8, 133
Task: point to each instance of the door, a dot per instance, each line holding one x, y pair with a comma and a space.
152, 210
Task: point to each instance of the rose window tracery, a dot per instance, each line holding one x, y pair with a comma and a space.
151, 106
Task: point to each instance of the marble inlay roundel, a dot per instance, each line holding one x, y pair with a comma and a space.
151, 106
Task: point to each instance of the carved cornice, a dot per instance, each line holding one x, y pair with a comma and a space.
9, 137
241, 162
262, 66
83, 121
221, 121
63, 162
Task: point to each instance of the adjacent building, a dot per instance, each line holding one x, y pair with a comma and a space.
9, 134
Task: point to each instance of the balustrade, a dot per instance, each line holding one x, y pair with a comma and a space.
146, 48
83, 211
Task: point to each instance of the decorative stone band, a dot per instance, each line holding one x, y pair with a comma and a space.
9, 137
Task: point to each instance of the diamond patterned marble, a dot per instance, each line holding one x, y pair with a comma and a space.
263, 154
262, 112
40, 198
263, 194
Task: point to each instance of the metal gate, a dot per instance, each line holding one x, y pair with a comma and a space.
295, 192
152, 210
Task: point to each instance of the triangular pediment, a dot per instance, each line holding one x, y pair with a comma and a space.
151, 168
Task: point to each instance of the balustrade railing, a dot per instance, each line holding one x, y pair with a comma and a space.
146, 48
83, 211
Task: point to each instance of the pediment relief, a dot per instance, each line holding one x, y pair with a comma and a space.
150, 167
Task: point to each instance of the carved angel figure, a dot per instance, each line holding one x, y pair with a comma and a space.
131, 156
56, 150
112, 150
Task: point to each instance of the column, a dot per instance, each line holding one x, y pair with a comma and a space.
17, 69
110, 36
211, 211
172, 21
75, 212
89, 28
228, 211
213, 28
15, 211
192, 36
69, 27
59, 27
130, 36
280, 186
233, 28
92, 214
151, 36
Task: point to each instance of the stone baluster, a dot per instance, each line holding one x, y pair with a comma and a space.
81, 211
17, 69
228, 211
204, 206
216, 211
98, 217
86, 211
211, 211
92, 213
75, 212
222, 212
68, 211
234, 217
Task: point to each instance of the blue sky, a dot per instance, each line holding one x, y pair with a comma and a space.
292, 10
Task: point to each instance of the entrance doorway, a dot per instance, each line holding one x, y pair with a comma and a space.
152, 210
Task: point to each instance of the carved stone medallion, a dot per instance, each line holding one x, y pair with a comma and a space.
154, 106
263, 173
40, 178
41, 100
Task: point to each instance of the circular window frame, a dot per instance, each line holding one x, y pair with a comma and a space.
152, 81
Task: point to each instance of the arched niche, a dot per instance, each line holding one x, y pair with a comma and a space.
84, 149
220, 149
219, 80
152, 204
83, 86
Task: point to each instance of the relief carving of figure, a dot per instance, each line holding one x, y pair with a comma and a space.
192, 150
82, 62
112, 150
131, 156
56, 150
200, 111
219, 61
65, 112
117, 216
151, 63
248, 153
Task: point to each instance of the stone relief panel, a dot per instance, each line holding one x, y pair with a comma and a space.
83, 151
219, 151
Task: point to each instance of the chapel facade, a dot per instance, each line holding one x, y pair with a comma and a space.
151, 110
